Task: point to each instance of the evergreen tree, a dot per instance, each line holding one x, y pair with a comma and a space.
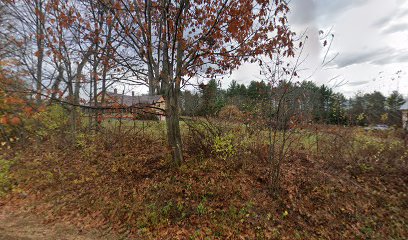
393, 104
213, 98
374, 106
190, 103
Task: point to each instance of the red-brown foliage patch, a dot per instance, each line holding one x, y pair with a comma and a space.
128, 185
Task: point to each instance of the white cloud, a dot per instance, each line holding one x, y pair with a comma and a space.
370, 36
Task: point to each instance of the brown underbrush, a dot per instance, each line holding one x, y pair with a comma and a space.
352, 186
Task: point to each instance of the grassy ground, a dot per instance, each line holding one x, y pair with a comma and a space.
337, 183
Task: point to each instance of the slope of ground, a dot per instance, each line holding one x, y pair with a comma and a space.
17, 224
127, 185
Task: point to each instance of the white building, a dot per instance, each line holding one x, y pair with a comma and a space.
404, 110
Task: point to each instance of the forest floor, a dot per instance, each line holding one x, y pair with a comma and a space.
124, 186
18, 223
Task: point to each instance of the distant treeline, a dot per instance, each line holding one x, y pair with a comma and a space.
317, 104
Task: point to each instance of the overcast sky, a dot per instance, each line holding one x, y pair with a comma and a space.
370, 36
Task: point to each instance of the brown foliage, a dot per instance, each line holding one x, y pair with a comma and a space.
230, 112
127, 183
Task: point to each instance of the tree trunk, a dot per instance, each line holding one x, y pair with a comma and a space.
76, 81
56, 84
172, 90
173, 124
94, 81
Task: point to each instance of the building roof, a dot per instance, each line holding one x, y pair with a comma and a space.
404, 106
135, 100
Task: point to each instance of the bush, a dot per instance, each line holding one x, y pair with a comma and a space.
230, 112
53, 119
200, 137
5, 184
223, 147
147, 116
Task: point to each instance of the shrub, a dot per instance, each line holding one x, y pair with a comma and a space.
200, 137
13, 107
51, 120
5, 184
230, 112
223, 146
147, 116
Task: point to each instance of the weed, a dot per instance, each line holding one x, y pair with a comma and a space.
201, 209
5, 184
223, 147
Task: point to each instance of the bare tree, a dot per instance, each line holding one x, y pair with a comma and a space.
27, 24
174, 41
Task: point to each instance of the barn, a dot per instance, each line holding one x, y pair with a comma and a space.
134, 105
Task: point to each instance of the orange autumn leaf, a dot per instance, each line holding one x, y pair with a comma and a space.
28, 110
15, 121
4, 120
13, 101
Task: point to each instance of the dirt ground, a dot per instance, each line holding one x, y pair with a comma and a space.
21, 225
